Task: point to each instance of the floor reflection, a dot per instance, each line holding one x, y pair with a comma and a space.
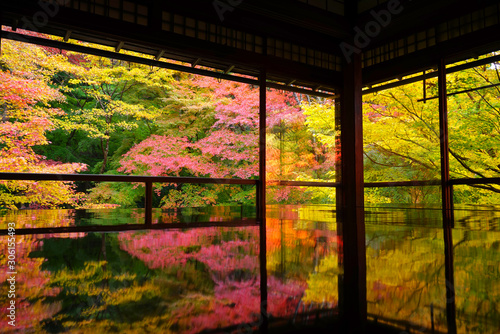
208, 279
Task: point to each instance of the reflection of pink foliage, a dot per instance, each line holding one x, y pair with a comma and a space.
229, 256
283, 297
233, 266
238, 303
163, 249
30, 282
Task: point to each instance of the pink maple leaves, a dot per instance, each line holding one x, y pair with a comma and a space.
26, 116
230, 146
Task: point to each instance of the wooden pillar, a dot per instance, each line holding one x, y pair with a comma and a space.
1, 22
148, 204
447, 201
261, 201
446, 193
353, 308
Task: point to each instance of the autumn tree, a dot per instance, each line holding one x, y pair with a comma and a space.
214, 133
401, 135
27, 116
109, 97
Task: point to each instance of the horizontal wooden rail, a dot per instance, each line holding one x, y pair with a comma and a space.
131, 227
120, 178
303, 183
460, 92
403, 184
201, 180
475, 181
432, 182
147, 180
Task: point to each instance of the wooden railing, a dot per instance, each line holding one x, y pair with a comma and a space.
148, 205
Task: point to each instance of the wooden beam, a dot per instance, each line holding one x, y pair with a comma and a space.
159, 55
459, 92
1, 23
67, 35
148, 40
196, 62
229, 69
130, 227
148, 204
325, 184
433, 74
152, 62
119, 46
261, 201
353, 306
446, 188
121, 178
418, 16
452, 50
15, 24
447, 200
277, 19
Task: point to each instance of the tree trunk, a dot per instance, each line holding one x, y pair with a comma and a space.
105, 150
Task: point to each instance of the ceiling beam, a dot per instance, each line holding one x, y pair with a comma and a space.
109, 32
457, 49
159, 55
152, 62
119, 46
67, 35
418, 16
278, 19
196, 62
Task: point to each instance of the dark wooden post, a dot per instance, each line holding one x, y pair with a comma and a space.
148, 205
261, 200
447, 200
353, 308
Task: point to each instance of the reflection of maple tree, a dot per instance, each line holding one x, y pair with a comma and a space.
32, 282
233, 267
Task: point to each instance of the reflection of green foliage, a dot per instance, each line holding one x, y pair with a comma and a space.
323, 284
477, 256
101, 288
405, 275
